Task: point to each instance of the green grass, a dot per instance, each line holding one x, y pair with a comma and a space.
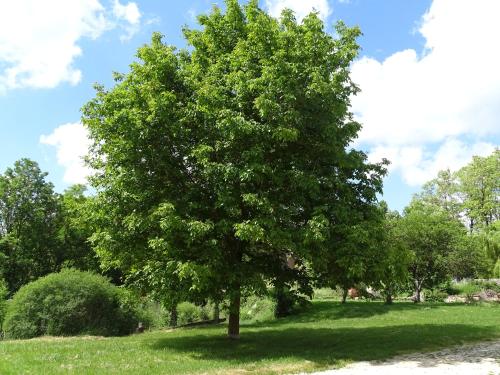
328, 335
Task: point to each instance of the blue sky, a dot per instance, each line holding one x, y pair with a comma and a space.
428, 70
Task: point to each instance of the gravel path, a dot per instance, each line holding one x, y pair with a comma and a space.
472, 359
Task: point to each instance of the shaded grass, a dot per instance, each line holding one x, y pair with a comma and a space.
328, 335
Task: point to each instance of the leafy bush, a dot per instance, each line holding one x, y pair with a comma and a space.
3, 301
152, 314
434, 295
70, 303
450, 288
188, 312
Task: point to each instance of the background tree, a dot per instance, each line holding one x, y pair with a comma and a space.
443, 191
432, 235
479, 186
469, 258
352, 254
490, 239
3, 301
75, 230
228, 157
28, 224
394, 258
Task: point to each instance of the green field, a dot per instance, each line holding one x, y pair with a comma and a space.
327, 335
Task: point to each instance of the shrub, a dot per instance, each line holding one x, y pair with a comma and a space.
70, 303
152, 314
434, 295
3, 301
187, 312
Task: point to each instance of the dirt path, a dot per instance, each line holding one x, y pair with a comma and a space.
472, 359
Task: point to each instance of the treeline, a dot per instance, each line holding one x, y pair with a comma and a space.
449, 230
41, 231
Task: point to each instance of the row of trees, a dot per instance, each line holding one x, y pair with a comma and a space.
40, 230
450, 229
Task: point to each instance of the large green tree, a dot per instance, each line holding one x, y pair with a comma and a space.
224, 160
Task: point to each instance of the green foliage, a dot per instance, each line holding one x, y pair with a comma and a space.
189, 312
490, 238
431, 234
471, 195
288, 301
444, 192
469, 258
395, 257
468, 288
29, 214
219, 162
353, 253
41, 231
479, 185
3, 301
258, 309
75, 230
434, 295
70, 303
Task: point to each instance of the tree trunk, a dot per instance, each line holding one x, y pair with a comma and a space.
173, 316
388, 299
216, 312
344, 294
283, 302
233, 328
418, 292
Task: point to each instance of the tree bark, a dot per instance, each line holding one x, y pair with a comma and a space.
283, 303
233, 328
418, 292
173, 316
216, 312
388, 299
344, 294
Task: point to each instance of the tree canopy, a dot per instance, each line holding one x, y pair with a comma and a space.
217, 163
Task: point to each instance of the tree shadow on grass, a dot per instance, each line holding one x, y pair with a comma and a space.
324, 347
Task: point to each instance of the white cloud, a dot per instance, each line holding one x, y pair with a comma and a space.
129, 13
418, 164
39, 39
72, 143
301, 7
448, 92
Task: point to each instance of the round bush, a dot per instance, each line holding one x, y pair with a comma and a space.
70, 303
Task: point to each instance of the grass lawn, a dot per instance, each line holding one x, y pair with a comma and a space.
328, 335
